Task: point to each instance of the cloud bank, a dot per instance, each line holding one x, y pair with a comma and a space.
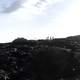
58, 18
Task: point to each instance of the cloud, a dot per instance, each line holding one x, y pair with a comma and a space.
8, 6
29, 22
69, 23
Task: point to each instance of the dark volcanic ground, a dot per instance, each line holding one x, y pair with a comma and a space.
49, 59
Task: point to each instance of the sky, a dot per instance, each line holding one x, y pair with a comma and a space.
38, 19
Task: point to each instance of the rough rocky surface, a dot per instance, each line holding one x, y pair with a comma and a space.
49, 59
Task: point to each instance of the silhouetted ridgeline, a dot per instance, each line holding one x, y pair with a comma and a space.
49, 59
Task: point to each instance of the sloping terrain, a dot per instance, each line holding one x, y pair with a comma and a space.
49, 59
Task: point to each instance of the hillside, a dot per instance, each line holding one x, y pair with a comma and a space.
16, 57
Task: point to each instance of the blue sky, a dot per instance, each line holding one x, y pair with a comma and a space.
58, 18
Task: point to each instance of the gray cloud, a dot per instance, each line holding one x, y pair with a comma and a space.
10, 6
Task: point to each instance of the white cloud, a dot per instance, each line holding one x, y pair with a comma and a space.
49, 20
69, 23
